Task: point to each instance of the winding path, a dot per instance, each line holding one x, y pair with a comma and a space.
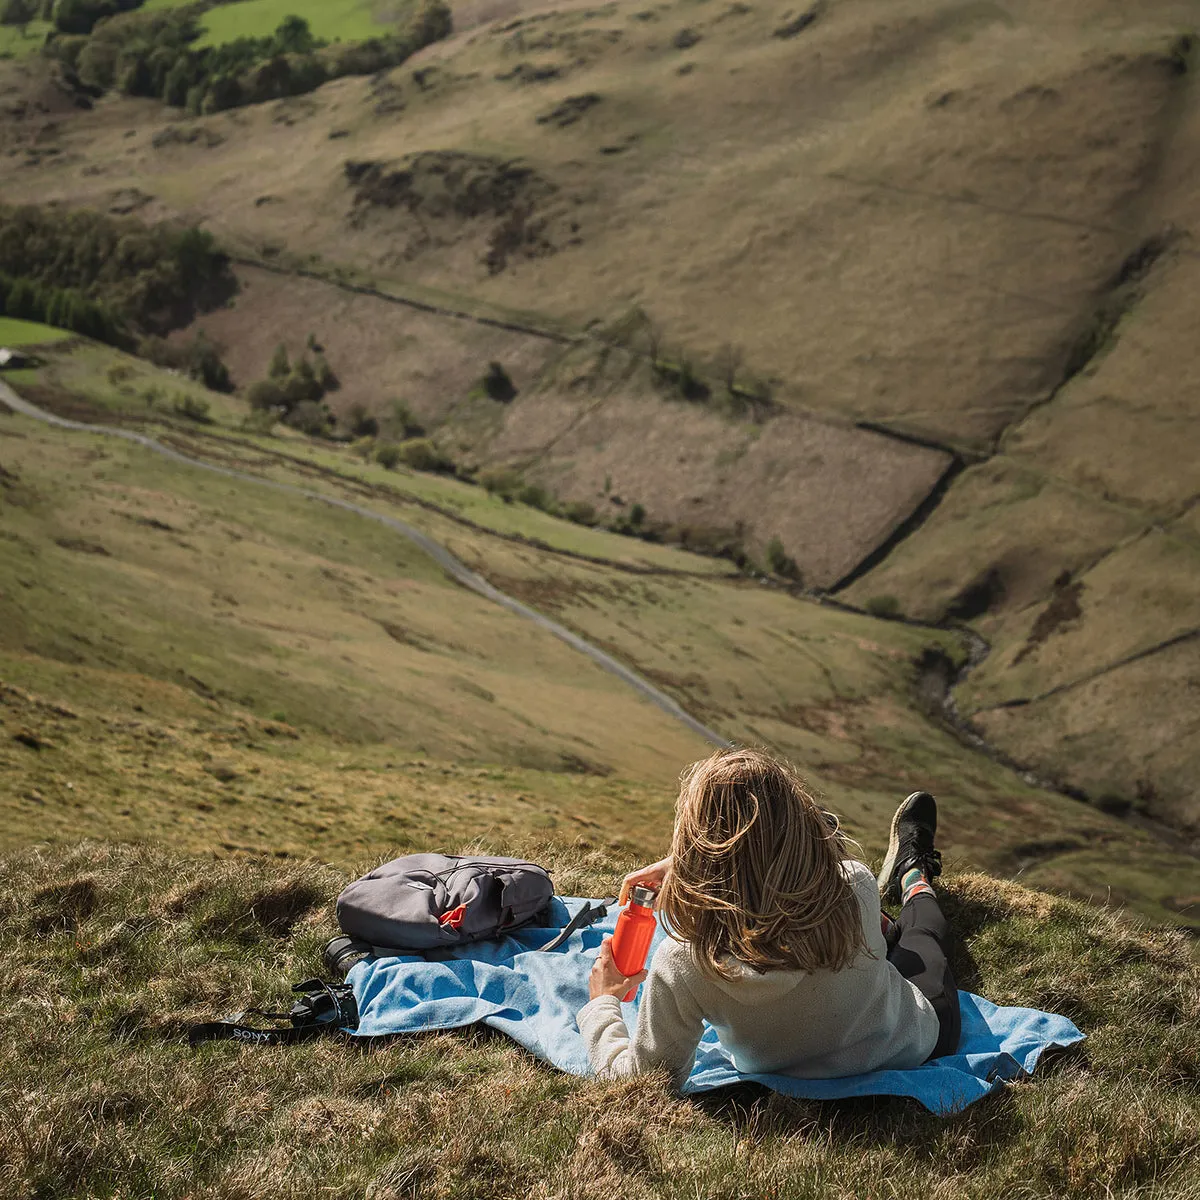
452, 566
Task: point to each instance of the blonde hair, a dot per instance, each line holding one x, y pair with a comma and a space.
756, 871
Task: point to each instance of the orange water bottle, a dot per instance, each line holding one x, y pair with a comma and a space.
634, 933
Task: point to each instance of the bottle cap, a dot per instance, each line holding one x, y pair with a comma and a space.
643, 896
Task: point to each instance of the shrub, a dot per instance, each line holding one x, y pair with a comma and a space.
199, 359
193, 408
422, 455
17, 12
883, 606
536, 496
714, 540
432, 22
497, 383
325, 377
204, 364
501, 481
266, 396
637, 515
260, 421
300, 387
580, 512
780, 561
81, 16
360, 423
280, 365
310, 417
402, 423
387, 455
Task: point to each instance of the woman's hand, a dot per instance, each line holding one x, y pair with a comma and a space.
651, 876
606, 980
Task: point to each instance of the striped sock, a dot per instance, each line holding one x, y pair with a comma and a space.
913, 884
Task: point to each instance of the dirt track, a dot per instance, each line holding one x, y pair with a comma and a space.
451, 565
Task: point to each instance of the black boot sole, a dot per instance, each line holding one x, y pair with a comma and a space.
889, 888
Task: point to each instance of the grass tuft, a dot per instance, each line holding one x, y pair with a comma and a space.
102, 1097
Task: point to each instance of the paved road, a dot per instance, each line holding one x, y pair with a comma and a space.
451, 565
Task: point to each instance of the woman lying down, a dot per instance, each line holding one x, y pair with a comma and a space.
777, 938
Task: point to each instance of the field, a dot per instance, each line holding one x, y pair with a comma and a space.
27, 333
903, 288
237, 606
331, 20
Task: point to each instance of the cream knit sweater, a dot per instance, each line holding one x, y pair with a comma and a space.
817, 1025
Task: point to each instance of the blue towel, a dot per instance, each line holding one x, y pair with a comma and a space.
533, 997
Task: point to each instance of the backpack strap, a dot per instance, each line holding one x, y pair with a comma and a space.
589, 914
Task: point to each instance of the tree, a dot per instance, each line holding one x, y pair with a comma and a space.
280, 367
294, 36
432, 22
24, 300
325, 376
498, 384
178, 83
18, 13
225, 91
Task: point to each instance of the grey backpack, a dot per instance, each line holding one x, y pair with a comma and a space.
425, 901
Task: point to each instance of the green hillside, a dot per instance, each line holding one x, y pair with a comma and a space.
331, 20
284, 639
15, 333
899, 288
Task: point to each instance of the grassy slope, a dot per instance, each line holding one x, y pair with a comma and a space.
27, 333
957, 327
1082, 522
914, 230
254, 607
125, 946
106, 379
152, 620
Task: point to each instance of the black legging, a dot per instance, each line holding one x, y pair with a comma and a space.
919, 954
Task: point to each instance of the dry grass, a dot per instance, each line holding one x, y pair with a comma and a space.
107, 952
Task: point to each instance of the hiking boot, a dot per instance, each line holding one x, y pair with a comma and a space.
910, 845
